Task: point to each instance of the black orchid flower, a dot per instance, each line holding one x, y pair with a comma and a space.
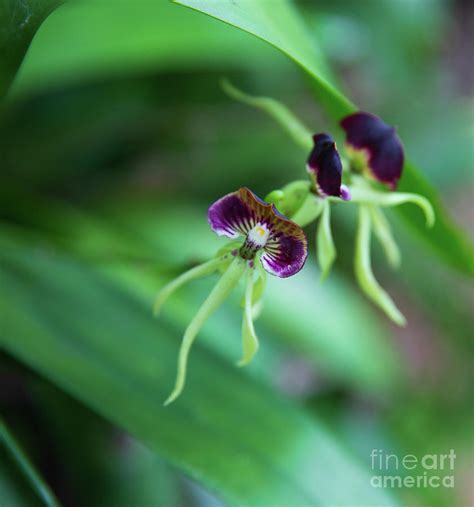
265, 241
374, 147
325, 168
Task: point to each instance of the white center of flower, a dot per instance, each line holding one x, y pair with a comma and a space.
258, 235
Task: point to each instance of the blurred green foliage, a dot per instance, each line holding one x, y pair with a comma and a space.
115, 139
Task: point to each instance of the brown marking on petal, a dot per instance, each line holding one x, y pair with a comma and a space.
267, 213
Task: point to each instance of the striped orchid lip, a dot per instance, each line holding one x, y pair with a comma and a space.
281, 241
325, 168
374, 147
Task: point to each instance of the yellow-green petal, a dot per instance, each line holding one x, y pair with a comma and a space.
219, 293
383, 232
249, 337
363, 270
325, 247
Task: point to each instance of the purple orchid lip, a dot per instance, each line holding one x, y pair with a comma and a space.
283, 242
325, 167
377, 145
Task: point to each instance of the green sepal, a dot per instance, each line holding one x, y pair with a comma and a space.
257, 309
219, 293
363, 269
260, 284
278, 111
225, 252
199, 271
325, 247
389, 199
249, 337
383, 232
309, 211
228, 247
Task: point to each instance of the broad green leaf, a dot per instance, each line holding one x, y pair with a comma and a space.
15, 491
19, 21
83, 40
279, 24
104, 465
445, 238
102, 346
18, 456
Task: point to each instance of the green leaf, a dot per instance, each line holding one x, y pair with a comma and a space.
445, 238
279, 24
101, 345
15, 491
99, 472
42, 490
83, 40
18, 23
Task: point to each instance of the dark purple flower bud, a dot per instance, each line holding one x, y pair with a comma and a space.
325, 168
375, 147
283, 242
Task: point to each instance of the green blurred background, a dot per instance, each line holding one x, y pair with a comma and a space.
115, 139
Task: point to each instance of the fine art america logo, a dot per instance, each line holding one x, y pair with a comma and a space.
410, 471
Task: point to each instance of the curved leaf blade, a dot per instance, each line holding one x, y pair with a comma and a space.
119, 362
18, 23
